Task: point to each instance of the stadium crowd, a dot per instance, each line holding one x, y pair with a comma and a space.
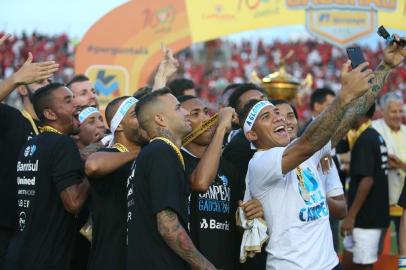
161, 183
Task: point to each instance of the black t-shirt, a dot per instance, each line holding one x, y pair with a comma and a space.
212, 214
239, 153
47, 165
369, 159
108, 209
156, 182
15, 130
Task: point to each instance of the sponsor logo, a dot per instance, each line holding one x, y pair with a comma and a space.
218, 13
28, 192
21, 220
213, 224
109, 81
259, 8
26, 181
160, 20
23, 203
341, 22
30, 150
27, 167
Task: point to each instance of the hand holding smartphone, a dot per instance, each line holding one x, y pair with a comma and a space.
356, 56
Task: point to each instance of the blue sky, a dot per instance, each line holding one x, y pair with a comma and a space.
75, 17
53, 16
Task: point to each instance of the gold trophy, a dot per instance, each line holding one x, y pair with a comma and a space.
280, 84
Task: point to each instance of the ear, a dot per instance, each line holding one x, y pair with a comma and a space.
49, 114
251, 136
22, 90
120, 127
160, 120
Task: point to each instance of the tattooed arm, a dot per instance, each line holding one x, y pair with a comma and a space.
179, 241
393, 56
320, 131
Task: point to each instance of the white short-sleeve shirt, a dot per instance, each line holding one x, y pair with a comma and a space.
298, 225
331, 181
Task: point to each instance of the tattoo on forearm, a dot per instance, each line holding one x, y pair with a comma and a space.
362, 104
321, 129
179, 241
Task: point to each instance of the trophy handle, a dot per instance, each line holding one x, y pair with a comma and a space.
255, 78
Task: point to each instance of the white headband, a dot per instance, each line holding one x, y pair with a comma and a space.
253, 114
121, 112
84, 114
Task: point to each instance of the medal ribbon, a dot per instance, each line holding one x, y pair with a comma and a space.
120, 147
174, 147
29, 118
50, 129
209, 123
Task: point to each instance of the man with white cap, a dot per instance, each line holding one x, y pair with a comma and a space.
284, 177
108, 179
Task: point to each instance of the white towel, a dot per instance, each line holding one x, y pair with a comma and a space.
254, 235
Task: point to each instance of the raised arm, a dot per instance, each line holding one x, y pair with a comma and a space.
393, 56
102, 163
179, 241
319, 132
167, 68
28, 73
206, 170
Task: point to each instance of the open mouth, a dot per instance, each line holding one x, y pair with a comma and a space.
76, 115
281, 130
289, 129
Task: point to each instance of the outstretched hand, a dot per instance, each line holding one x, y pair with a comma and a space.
34, 72
394, 54
355, 83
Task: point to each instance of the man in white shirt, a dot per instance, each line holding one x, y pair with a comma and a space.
284, 177
394, 134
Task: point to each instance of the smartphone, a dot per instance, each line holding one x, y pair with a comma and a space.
356, 56
385, 34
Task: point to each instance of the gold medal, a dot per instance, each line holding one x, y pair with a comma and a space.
304, 192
